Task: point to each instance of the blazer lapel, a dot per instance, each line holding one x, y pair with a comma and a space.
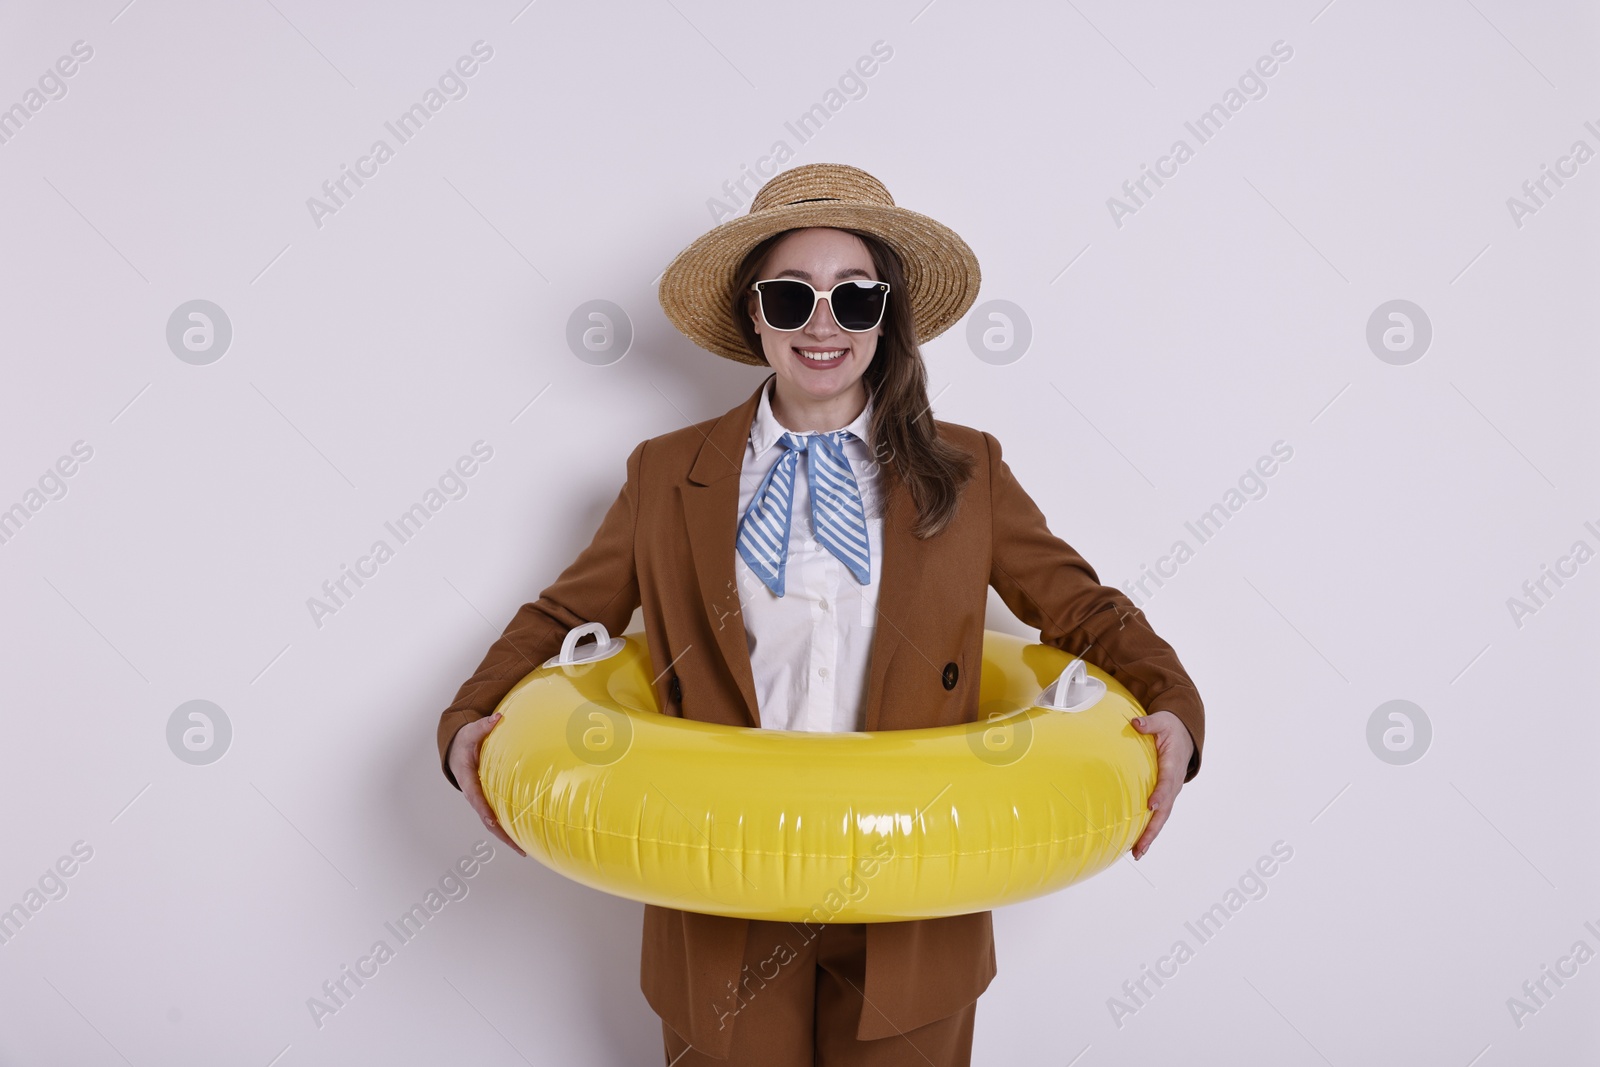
903, 566
710, 507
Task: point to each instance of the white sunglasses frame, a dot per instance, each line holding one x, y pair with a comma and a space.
817, 297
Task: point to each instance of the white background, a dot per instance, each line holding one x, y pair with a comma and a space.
1168, 354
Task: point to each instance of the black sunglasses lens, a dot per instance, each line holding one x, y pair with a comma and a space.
786, 304
858, 306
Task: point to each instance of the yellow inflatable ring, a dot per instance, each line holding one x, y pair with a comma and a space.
590, 779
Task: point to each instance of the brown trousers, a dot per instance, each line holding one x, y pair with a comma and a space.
801, 1001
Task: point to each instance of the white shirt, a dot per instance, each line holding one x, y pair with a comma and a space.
809, 648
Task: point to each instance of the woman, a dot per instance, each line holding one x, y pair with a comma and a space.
818, 558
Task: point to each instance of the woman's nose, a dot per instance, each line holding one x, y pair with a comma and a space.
822, 324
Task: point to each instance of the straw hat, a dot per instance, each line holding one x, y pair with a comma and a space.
941, 271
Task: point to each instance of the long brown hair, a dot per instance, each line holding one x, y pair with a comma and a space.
904, 438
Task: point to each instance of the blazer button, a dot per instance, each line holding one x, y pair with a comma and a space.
951, 673
675, 691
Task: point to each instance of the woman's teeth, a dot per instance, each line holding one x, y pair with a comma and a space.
823, 357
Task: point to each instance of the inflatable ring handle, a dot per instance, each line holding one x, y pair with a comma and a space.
605, 646
1074, 691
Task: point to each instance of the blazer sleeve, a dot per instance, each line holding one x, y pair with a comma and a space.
601, 585
1049, 586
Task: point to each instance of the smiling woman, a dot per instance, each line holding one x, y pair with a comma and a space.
819, 360
825, 371
816, 562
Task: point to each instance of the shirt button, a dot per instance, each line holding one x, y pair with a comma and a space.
824, 603
822, 671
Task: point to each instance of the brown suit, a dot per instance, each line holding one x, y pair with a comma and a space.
668, 543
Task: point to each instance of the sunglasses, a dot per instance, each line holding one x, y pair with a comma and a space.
788, 304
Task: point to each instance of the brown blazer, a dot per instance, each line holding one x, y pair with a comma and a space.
668, 543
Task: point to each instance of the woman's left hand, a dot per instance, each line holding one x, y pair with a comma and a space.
1174, 746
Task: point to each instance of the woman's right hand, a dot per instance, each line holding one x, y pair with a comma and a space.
464, 750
